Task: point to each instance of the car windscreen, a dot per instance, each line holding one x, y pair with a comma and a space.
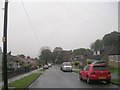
100, 68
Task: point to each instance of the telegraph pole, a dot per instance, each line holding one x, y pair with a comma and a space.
4, 65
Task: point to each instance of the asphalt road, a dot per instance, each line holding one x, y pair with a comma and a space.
55, 78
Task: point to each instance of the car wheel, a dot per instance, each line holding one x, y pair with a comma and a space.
80, 77
88, 80
108, 81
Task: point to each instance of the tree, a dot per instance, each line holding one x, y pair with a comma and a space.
57, 55
60, 55
53, 57
80, 51
57, 49
45, 55
109, 40
97, 44
112, 39
92, 46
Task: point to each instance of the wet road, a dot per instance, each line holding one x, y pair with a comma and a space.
55, 78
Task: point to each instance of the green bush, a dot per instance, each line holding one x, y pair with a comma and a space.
77, 63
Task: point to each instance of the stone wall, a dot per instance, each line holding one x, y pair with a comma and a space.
114, 61
114, 64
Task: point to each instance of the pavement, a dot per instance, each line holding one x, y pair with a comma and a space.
20, 76
55, 78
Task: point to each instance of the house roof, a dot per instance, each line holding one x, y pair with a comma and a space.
109, 50
114, 51
18, 58
11, 58
89, 55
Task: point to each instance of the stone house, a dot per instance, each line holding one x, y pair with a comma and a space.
114, 58
18, 61
110, 54
102, 53
15, 62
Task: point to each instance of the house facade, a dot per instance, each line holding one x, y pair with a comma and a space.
18, 61
110, 54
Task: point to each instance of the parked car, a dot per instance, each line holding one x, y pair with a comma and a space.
95, 72
45, 67
66, 66
49, 64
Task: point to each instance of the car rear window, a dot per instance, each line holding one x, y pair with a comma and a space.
67, 64
99, 62
100, 68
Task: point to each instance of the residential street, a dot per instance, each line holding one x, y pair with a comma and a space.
42, 40
55, 78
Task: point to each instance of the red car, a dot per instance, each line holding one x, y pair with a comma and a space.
95, 72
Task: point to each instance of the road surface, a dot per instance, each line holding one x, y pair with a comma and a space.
55, 78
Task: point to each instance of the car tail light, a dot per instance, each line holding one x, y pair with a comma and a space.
92, 73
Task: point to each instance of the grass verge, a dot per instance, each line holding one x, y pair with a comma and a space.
115, 70
117, 81
25, 81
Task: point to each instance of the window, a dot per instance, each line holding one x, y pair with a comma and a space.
100, 68
67, 64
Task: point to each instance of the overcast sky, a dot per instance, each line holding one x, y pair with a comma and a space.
69, 25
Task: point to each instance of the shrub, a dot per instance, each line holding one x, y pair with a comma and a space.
77, 63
